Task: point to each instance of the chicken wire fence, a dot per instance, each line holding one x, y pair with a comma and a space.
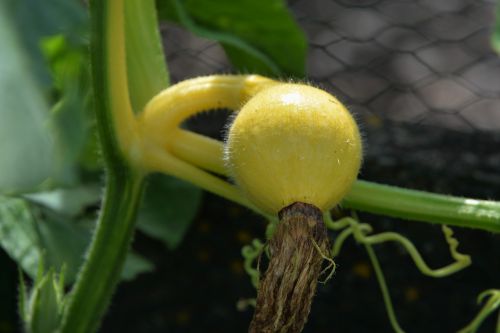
424, 84
409, 61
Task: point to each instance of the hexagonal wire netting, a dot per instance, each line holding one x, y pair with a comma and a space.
423, 61
424, 83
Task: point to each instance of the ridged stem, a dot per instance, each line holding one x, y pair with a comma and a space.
118, 134
100, 274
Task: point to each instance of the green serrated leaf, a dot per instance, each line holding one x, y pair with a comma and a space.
168, 209
258, 36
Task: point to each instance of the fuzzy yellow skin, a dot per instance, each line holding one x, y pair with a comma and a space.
294, 142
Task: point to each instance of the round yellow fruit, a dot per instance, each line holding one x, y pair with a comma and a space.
293, 143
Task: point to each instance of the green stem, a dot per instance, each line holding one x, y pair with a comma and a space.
101, 272
423, 206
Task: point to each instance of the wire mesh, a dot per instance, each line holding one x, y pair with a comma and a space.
421, 62
425, 85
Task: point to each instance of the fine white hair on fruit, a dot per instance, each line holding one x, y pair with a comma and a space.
293, 143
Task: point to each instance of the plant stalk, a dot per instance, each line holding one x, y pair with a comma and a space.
100, 274
116, 122
424, 206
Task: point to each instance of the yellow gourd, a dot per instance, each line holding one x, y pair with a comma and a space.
294, 150
293, 143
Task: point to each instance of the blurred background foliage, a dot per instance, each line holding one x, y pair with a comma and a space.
51, 175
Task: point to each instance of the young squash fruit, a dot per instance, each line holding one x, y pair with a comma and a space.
293, 143
294, 150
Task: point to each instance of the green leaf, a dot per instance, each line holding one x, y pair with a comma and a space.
43, 305
38, 19
62, 242
168, 209
45, 309
35, 146
495, 39
135, 265
25, 142
69, 202
29, 233
18, 235
53, 33
258, 36
71, 114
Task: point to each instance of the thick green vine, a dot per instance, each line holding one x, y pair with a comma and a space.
100, 274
